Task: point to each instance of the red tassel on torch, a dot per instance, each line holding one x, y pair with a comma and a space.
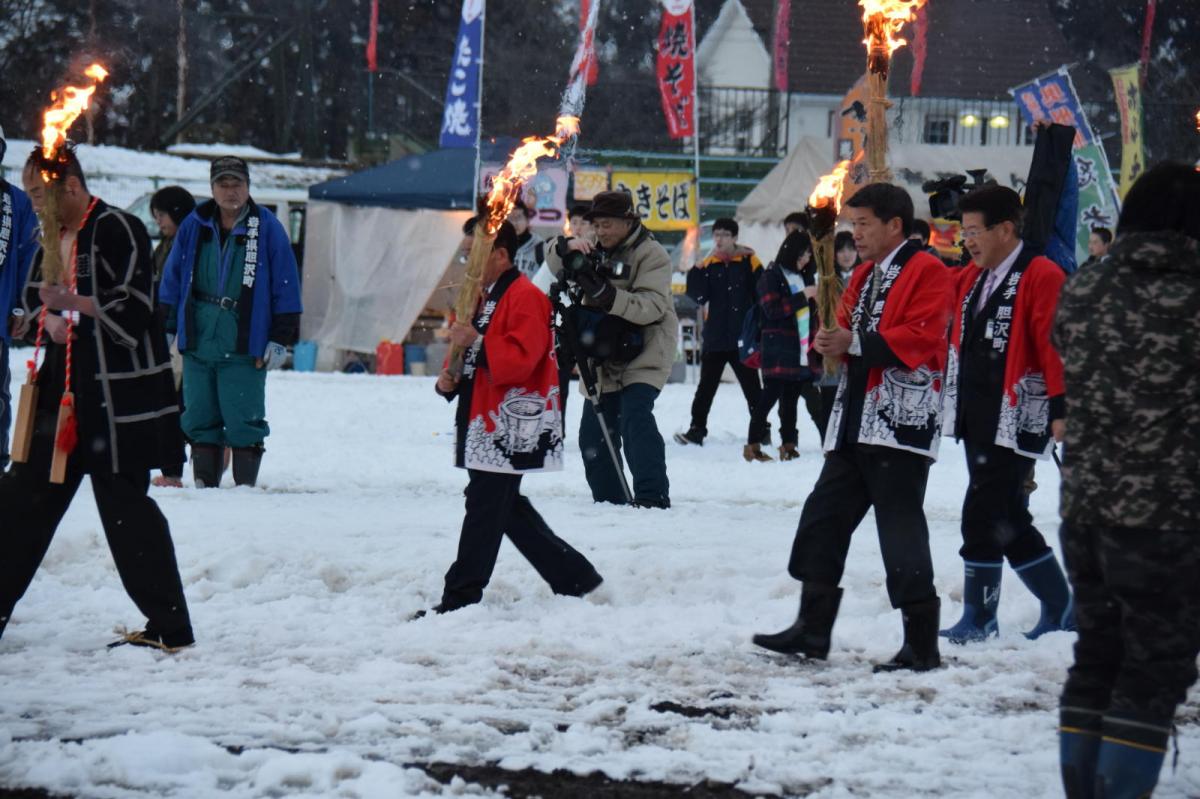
68, 426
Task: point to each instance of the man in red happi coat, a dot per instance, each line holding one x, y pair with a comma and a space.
882, 435
508, 423
1004, 399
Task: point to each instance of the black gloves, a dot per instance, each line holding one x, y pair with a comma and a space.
601, 292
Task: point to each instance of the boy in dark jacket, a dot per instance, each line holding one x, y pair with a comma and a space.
725, 281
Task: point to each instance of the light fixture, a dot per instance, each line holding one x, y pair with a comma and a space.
998, 121
969, 119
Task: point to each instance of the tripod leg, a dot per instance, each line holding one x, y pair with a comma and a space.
608, 442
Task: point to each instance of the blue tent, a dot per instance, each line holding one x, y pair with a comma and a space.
440, 179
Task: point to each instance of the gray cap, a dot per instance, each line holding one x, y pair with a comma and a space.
228, 166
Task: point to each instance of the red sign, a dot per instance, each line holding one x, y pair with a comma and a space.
676, 75
373, 39
783, 40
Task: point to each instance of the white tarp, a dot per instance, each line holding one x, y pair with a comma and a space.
369, 272
786, 187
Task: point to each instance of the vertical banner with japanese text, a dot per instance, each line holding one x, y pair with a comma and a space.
1128, 87
782, 40
664, 200
373, 39
1053, 97
460, 120
676, 76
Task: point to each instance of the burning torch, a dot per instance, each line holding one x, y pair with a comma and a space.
68, 104
824, 205
882, 21
506, 189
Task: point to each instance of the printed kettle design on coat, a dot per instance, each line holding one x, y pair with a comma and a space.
525, 424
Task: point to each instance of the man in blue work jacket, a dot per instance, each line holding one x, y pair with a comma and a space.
18, 244
232, 291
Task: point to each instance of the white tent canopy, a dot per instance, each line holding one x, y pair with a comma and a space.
786, 187
369, 272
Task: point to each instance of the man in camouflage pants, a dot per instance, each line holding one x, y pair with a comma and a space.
1128, 329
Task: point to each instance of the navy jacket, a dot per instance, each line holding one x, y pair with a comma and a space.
728, 288
269, 306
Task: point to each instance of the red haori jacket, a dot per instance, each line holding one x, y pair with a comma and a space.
1033, 371
514, 423
902, 406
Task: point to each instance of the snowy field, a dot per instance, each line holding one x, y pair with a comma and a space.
307, 680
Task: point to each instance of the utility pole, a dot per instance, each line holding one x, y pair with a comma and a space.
182, 69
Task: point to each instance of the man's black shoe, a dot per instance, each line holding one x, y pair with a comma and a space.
811, 633
920, 649
153, 639
692, 436
652, 502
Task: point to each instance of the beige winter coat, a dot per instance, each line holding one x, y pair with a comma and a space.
644, 298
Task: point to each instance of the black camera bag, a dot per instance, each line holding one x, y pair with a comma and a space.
606, 337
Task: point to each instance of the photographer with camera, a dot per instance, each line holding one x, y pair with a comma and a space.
626, 326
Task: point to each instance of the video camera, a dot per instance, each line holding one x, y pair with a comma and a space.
945, 194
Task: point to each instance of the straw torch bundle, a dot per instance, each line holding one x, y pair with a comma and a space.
882, 21
68, 104
824, 205
505, 190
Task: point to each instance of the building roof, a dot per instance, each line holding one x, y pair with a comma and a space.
976, 49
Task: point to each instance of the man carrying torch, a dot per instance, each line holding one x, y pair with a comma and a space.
105, 402
508, 423
882, 435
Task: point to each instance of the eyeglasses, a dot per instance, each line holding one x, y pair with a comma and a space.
974, 232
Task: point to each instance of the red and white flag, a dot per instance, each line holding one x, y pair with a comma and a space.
583, 66
676, 67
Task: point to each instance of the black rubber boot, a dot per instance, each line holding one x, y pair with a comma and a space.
246, 461
920, 649
206, 465
811, 633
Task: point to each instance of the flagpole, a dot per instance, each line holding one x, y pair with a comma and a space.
695, 106
475, 189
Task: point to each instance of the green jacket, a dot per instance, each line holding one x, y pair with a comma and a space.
1128, 331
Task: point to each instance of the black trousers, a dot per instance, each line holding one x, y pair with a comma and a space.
137, 533
712, 366
996, 523
496, 508
787, 394
1137, 604
853, 480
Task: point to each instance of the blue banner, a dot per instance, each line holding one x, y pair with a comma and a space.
460, 120
1052, 97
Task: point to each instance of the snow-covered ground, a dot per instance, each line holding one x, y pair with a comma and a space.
307, 680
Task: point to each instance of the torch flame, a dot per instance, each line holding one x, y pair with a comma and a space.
882, 21
69, 103
521, 166
1198, 120
829, 188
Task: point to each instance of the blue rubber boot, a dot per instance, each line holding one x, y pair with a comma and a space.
981, 597
1078, 745
1044, 579
1127, 770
